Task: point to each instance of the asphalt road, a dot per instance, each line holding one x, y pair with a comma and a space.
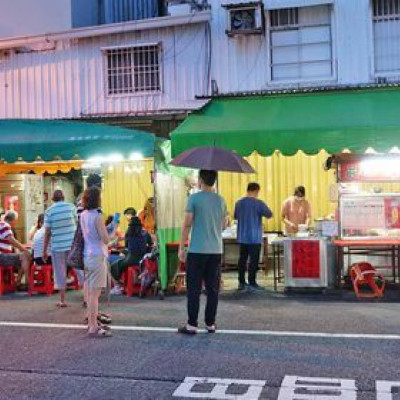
323, 337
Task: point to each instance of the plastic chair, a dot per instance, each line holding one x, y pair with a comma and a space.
41, 279
364, 274
180, 278
75, 282
7, 280
131, 280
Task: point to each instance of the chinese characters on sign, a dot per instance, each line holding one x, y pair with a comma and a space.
291, 388
372, 170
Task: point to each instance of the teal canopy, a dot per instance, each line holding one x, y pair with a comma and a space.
52, 139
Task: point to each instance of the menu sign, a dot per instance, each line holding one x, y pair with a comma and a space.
362, 213
370, 215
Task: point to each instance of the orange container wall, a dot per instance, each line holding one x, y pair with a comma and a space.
125, 186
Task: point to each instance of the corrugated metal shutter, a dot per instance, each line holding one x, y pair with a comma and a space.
127, 10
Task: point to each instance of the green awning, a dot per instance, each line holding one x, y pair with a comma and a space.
49, 139
331, 120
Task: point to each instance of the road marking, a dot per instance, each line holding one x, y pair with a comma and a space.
218, 389
298, 388
384, 389
17, 324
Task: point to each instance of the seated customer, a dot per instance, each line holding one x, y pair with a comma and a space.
20, 261
138, 243
38, 241
117, 238
146, 216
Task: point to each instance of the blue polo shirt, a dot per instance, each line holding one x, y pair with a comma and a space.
249, 212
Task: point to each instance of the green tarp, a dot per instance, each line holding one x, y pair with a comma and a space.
48, 139
331, 120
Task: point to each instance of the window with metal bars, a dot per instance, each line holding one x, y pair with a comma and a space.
386, 23
301, 44
133, 69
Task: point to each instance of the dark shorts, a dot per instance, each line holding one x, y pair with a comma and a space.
10, 260
40, 261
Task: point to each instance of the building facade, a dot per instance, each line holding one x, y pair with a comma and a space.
168, 65
148, 67
302, 43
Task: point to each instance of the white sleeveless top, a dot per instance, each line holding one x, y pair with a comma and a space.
94, 246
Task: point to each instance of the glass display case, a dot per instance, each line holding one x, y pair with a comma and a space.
369, 216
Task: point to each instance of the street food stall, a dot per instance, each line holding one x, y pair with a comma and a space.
288, 135
134, 165
369, 210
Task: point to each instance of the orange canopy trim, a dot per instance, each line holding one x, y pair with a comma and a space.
51, 167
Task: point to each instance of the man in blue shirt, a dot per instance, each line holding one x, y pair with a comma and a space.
205, 217
249, 212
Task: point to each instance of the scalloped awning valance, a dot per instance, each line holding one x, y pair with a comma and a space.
356, 120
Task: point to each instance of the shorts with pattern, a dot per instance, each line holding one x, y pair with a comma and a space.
96, 269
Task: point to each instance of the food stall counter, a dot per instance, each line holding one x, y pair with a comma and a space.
309, 262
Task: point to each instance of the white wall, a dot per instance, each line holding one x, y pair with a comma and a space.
29, 17
70, 82
241, 63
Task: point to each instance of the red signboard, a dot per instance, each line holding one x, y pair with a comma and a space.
392, 213
372, 170
306, 259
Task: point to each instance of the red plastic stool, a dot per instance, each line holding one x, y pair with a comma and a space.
364, 274
75, 283
41, 279
131, 281
7, 280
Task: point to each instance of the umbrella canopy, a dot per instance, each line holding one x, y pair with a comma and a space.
213, 158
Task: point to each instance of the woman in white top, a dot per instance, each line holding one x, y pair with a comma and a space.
95, 256
38, 242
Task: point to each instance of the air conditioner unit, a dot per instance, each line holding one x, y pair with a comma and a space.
245, 18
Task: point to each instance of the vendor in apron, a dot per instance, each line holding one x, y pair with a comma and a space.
296, 210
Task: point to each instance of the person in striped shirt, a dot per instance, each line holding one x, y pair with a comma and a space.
21, 260
38, 242
60, 225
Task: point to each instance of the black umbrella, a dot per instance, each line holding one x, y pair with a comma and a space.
213, 158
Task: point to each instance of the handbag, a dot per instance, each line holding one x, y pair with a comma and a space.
75, 255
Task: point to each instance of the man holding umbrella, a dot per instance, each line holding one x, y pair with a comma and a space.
205, 218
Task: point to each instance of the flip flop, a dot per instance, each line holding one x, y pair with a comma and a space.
100, 334
60, 304
104, 319
101, 319
105, 327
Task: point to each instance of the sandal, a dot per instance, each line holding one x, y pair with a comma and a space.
102, 319
100, 333
105, 327
61, 304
